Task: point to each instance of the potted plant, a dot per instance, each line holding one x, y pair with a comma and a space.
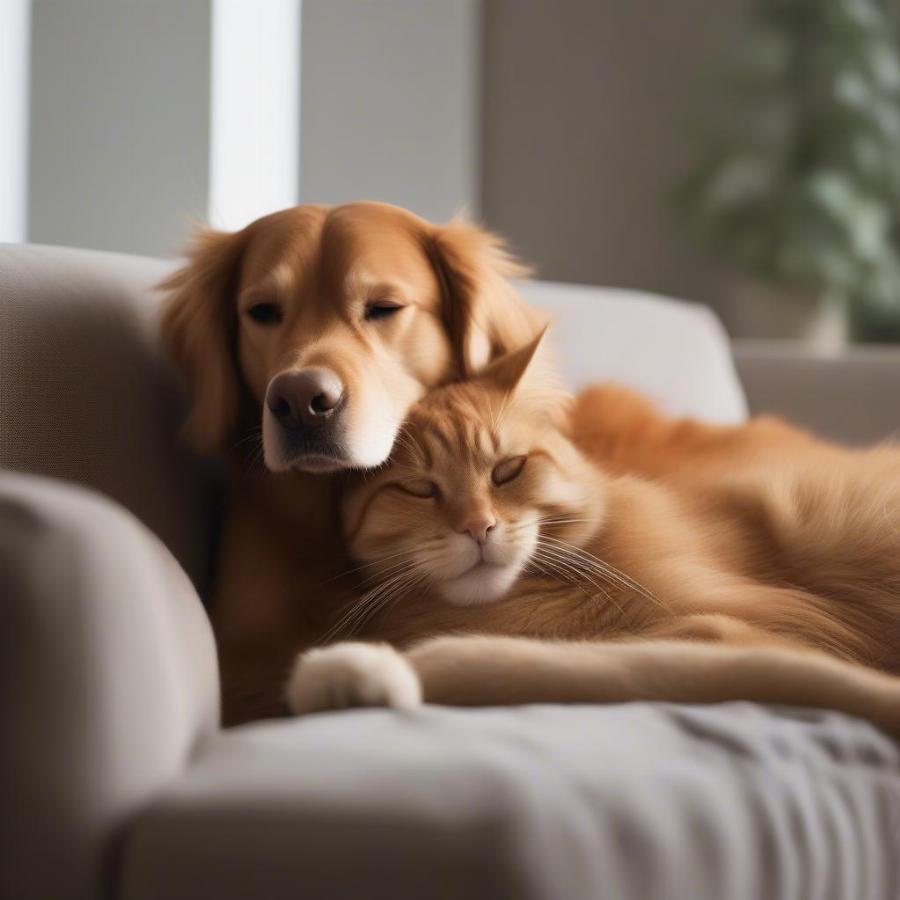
797, 179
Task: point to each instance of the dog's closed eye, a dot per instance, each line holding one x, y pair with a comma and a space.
266, 313
381, 309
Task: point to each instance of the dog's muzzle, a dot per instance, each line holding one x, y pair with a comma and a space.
307, 406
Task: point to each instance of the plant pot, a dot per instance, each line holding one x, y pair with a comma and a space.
873, 325
760, 310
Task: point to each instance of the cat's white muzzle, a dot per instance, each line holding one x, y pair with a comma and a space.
473, 574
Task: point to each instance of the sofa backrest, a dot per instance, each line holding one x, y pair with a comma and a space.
678, 353
86, 394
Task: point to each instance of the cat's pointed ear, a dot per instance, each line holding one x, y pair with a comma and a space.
510, 371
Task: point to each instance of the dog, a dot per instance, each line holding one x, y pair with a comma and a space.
304, 339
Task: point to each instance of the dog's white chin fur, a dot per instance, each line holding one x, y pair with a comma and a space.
370, 435
373, 447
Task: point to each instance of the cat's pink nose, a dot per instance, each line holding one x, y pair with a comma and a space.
479, 528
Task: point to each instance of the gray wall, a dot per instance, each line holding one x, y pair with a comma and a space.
389, 105
119, 122
562, 123
585, 118
119, 135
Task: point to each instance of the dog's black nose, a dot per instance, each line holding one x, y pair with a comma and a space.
308, 397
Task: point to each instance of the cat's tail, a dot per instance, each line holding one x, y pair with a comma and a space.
624, 431
488, 670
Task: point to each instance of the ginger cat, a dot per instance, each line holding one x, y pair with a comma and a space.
762, 565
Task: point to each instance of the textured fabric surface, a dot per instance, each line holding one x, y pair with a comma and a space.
677, 353
853, 396
630, 802
108, 681
86, 395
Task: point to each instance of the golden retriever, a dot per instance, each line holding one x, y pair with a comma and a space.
304, 339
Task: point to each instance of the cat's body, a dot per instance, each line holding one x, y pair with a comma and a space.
792, 556
671, 537
792, 535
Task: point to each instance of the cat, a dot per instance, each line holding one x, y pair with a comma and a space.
515, 564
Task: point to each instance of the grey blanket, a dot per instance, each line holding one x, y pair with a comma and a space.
629, 802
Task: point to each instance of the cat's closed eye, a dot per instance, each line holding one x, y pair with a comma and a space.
508, 469
420, 487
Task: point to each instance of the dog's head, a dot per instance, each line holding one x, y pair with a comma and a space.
329, 323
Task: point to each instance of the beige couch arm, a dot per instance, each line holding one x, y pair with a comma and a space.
108, 680
852, 395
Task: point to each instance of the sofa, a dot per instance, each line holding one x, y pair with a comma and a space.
119, 783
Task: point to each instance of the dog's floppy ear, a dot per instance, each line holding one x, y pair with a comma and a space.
198, 328
484, 315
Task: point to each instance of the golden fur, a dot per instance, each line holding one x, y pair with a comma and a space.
319, 268
760, 538
773, 543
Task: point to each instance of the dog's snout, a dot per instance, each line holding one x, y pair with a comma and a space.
308, 397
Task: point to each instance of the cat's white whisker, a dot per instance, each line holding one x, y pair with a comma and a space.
368, 565
362, 610
394, 569
557, 574
579, 571
591, 563
542, 521
401, 594
356, 609
611, 571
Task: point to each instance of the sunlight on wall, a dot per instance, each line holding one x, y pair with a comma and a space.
255, 109
15, 27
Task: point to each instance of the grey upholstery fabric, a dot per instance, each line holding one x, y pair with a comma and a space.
86, 395
108, 682
631, 802
675, 352
853, 396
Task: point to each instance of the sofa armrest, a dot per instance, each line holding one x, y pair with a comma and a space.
852, 395
108, 680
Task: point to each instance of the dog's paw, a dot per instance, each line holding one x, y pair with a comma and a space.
352, 674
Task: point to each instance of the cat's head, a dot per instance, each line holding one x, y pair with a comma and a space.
482, 479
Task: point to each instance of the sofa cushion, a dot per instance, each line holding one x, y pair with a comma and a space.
86, 394
108, 680
676, 352
622, 802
